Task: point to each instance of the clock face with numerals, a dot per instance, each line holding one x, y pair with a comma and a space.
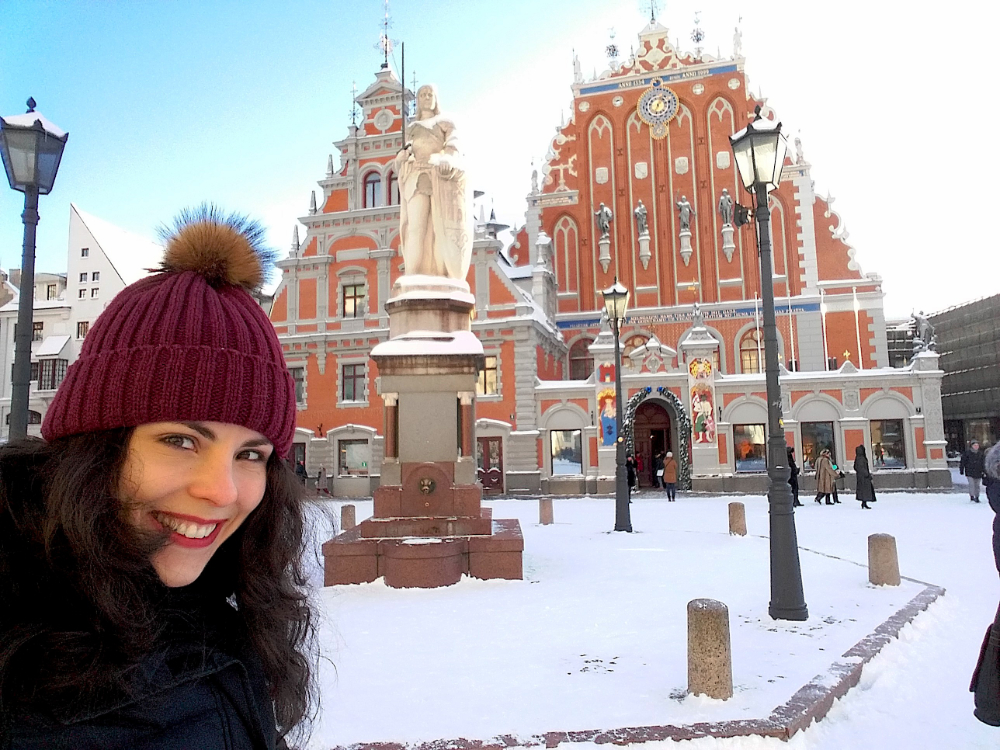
657, 107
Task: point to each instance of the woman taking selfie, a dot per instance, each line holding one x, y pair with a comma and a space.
149, 547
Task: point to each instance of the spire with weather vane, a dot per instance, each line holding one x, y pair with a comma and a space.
697, 35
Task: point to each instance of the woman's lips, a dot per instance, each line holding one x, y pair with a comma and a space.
189, 531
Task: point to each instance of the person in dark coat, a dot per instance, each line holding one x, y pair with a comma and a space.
630, 474
986, 676
658, 470
793, 478
973, 466
151, 594
865, 491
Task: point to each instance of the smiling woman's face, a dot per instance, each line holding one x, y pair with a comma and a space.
197, 480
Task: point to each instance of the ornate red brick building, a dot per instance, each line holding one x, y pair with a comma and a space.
638, 185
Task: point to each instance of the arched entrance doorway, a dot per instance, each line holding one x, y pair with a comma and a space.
679, 437
652, 434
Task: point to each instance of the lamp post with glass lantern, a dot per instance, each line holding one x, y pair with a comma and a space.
616, 303
759, 151
31, 148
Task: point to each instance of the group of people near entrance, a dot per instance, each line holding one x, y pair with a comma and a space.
664, 473
827, 475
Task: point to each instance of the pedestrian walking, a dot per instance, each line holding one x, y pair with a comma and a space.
322, 482
865, 490
670, 476
973, 466
826, 477
300, 471
986, 677
793, 478
630, 474
658, 470
150, 545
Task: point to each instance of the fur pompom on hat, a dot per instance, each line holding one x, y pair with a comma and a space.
188, 343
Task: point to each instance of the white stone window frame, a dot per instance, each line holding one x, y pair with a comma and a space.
564, 416
351, 432
305, 381
353, 276
498, 396
358, 359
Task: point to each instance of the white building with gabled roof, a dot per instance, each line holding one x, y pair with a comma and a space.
102, 259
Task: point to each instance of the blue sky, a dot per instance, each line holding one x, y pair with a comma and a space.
172, 103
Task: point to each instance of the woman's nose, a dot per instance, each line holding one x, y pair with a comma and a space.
215, 482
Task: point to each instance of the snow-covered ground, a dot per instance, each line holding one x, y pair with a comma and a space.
595, 635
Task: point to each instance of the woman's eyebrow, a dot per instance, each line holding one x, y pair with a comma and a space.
256, 442
201, 428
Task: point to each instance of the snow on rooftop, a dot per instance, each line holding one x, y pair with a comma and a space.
131, 255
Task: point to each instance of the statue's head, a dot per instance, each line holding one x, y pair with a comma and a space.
427, 100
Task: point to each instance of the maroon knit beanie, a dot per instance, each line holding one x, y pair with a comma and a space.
188, 343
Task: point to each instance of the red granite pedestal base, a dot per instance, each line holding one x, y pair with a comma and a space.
425, 562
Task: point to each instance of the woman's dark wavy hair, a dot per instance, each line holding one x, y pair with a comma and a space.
82, 602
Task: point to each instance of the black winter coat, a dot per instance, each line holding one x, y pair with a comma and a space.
197, 691
865, 489
201, 686
973, 464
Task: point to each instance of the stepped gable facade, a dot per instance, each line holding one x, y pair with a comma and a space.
655, 129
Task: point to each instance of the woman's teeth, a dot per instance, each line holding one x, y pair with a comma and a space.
185, 528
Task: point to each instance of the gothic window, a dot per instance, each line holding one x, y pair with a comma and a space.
751, 351
581, 362
373, 190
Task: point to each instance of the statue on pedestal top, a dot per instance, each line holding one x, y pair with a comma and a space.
640, 219
726, 207
686, 211
433, 221
603, 216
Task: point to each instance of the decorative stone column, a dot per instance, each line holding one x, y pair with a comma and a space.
391, 424
699, 352
604, 244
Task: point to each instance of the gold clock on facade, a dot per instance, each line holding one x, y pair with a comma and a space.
658, 105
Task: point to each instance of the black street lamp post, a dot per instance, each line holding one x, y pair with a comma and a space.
616, 302
759, 150
31, 148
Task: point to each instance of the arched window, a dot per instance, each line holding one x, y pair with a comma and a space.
751, 351
581, 362
393, 190
373, 190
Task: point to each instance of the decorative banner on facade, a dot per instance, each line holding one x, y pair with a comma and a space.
606, 373
609, 423
702, 383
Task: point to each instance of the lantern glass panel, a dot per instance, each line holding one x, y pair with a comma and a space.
19, 156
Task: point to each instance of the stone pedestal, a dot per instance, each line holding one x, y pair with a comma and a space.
728, 245
686, 250
604, 245
644, 253
737, 519
428, 525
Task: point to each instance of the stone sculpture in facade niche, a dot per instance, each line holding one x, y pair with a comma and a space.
433, 223
640, 219
686, 211
726, 207
603, 216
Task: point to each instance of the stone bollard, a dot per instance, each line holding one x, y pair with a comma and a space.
545, 516
883, 563
737, 519
348, 520
710, 660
